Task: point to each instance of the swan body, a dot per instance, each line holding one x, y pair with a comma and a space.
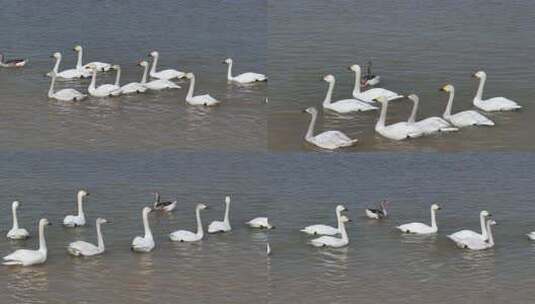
99, 66
420, 228
371, 94
199, 100
531, 235
378, 213
165, 74
345, 105
244, 78
67, 74
222, 226
136, 87
469, 234
492, 104
166, 206
398, 131
105, 90
64, 94
16, 233
81, 248
77, 220
155, 85
188, 236
331, 241
12, 63
26, 257
464, 118
144, 243
326, 229
428, 125
329, 140
477, 243
260, 222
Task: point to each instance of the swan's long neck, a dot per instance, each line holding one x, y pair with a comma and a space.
42, 241
15, 219
81, 207
382, 117
145, 72
356, 89
226, 220
483, 227
412, 118
310, 131
154, 63
191, 87
479, 94
489, 232
229, 71
79, 61
447, 112
148, 232
93, 83
56, 65
99, 237
118, 77
339, 220
328, 97
200, 231
434, 220
343, 233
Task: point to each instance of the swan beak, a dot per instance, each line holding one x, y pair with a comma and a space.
87, 194
441, 89
474, 75
349, 221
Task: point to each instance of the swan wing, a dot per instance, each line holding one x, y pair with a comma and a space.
333, 140
100, 66
183, 236
470, 118
217, 226
498, 104
249, 77
83, 248
69, 74
320, 229
371, 94
133, 87
24, 257
415, 228
351, 105
466, 234
72, 221
18, 234
168, 74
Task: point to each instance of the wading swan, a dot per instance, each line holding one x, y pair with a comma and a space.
64, 94
344, 105
158, 84
260, 222
464, 118
67, 74
428, 125
144, 243
469, 234
77, 220
331, 241
105, 90
199, 100
491, 104
12, 63
165, 74
398, 131
329, 139
326, 229
479, 244
160, 205
420, 228
81, 248
16, 233
188, 236
224, 226
378, 213
136, 87
371, 94
244, 78
26, 257
100, 66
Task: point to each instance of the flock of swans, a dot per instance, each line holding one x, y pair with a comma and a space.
161, 80
375, 98
326, 236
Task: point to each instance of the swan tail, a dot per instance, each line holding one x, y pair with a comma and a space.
11, 263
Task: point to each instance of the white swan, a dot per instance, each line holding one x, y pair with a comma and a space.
81, 248
491, 104
63, 94
67, 74
224, 226
136, 87
420, 228
199, 100
378, 213
331, 241
166, 206
320, 229
479, 244
244, 78
25, 257
16, 233
144, 243
188, 236
464, 118
428, 125
326, 140
260, 222
165, 74
344, 105
77, 220
100, 66
371, 94
158, 84
398, 131
469, 234
105, 90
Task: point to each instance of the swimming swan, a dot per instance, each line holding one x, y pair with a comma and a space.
428, 125
344, 105
320, 229
371, 94
491, 104
398, 131
136, 87
464, 118
260, 222
166, 206
188, 236
326, 140
100, 66
199, 100
158, 84
378, 213
25, 257
105, 90
165, 74
244, 78
77, 220
469, 234
63, 94
331, 241
419, 228
224, 226
81, 248
146, 242
479, 244
16, 233
67, 74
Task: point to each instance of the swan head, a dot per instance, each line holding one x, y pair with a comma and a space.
479, 74
101, 220
15, 204
329, 78
44, 222
143, 63
146, 210
56, 55
227, 61
77, 48
154, 54
413, 97
355, 68
311, 110
435, 207
345, 219
190, 75
340, 208
485, 213
447, 88
201, 206
227, 199
82, 193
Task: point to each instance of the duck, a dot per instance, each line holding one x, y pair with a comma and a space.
260, 222
369, 79
69, 73
320, 229
12, 63
371, 94
64, 94
245, 78
165, 74
199, 100
77, 220
99, 66
420, 228
477, 243
492, 104
428, 125
222, 226
26, 257
329, 140
166, 206
136, 87
465, 118
397, 131
344, 105
158, 84
16, 233
467, 234
188, 236
379, 213
81, 248
144, 243
331, 241
105, 90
